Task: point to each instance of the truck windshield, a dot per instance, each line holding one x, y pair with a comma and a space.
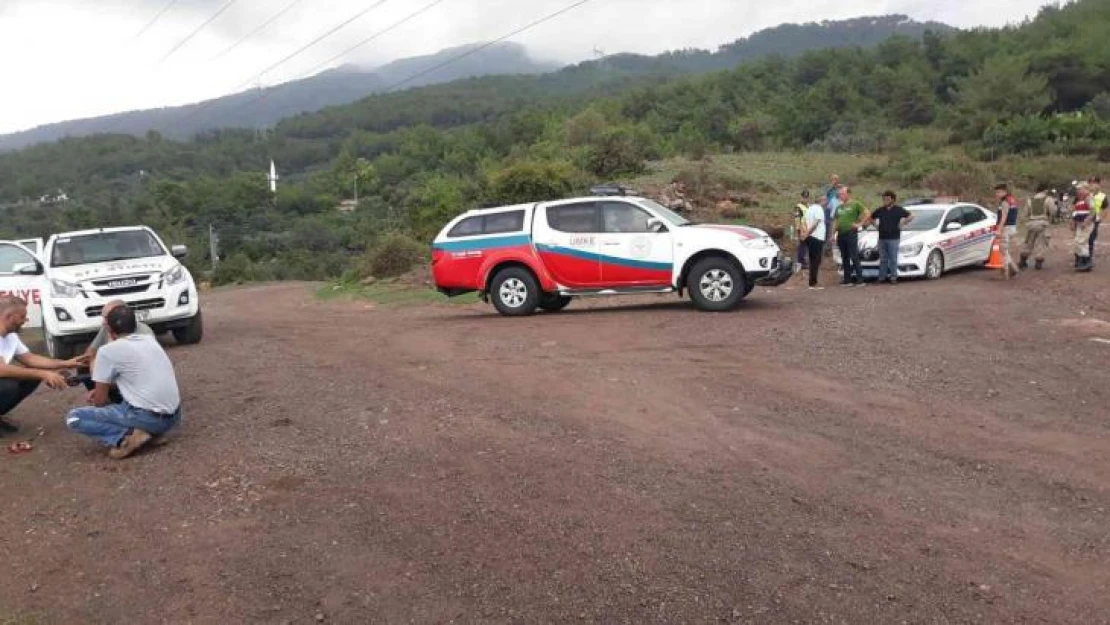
104, 247
667, 214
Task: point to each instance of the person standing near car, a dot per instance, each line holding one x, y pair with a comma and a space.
1038, 212
1006, 228
18, 382
801, 257
832, 205
890, 218
1098, 204
850, 219
1082, 223
814, 235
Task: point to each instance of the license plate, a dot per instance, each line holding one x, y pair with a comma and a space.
142, 315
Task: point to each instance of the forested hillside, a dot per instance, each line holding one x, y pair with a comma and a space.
940, 105
263, 108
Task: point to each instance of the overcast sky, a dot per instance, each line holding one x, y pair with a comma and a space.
65, 59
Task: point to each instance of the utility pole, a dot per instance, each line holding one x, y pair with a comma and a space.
213, 247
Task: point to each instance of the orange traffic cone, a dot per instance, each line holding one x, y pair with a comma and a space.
995, 261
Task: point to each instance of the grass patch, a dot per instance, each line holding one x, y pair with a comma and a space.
391, 294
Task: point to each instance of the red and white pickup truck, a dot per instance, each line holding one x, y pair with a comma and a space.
543, 255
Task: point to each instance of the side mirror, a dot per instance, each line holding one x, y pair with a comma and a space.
28, 269
656, 225
952, 227
179, 251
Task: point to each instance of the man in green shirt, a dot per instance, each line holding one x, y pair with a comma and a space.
850, 219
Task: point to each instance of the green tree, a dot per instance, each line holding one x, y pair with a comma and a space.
1002, 88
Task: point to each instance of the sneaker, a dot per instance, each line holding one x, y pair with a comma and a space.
892, 281
816, 288
7, 427
131, 443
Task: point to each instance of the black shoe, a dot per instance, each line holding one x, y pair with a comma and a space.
1038, 265
1023, 263
7, 427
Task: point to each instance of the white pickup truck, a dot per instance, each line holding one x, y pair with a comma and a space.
67, 281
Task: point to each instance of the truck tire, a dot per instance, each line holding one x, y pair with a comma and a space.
717, 284
514, 292
192, 333
57, 349
553, 302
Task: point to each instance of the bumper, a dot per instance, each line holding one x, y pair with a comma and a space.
778, 275
78, 318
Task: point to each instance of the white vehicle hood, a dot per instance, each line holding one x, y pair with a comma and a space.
870, 238
82, 273
743, 232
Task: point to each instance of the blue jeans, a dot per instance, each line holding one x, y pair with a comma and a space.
888, 259
110, 424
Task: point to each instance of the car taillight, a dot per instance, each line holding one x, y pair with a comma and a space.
436, 256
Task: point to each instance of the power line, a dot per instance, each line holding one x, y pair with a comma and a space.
315, 41
486, 45
154, 20
261, 28
434, 68
205, 106
381, 32
196, 31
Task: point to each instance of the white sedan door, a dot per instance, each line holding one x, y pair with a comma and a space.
21, 274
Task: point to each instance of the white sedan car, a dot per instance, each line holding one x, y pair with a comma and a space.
940, 238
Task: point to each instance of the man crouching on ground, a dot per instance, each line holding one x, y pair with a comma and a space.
18, 382
140, 368
103, 338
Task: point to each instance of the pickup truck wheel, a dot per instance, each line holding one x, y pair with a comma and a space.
717, 284
553, 302
515, 292
192, 333
57, 349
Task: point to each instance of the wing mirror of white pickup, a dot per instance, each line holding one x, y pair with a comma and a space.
179, 251
28, 269
656, 225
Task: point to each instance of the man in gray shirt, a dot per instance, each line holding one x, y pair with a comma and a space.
140, 368
103, 338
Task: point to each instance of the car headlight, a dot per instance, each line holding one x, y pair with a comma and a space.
762, 243
174, 276
61, 288
911, 249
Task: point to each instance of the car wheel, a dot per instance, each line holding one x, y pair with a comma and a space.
717, 284
192, 333
553, 302
515, 292
934, 267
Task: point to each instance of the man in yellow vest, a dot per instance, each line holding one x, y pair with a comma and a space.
1098, 203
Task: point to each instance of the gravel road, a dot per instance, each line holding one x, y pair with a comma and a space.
931, 452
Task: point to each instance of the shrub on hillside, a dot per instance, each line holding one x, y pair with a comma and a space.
394, 255
531, 181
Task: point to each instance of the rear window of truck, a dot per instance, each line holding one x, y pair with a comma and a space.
492, 223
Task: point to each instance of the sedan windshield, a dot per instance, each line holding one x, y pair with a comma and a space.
104, 247
924, 219
665, 213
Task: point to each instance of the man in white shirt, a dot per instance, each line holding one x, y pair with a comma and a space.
816, 232
140, 368
18, 382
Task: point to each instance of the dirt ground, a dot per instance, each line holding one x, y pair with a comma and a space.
927, 453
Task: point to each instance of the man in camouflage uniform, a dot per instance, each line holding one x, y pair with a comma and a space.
1038, 211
